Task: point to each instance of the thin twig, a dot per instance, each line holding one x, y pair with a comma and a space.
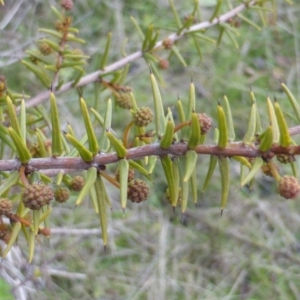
177, 149
65, 274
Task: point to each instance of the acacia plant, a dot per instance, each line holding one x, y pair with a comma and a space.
39, 154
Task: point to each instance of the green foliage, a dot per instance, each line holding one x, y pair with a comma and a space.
5, 291
48, 149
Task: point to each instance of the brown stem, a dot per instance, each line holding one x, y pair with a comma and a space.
110, 179
15, 218
181, 125
126, 134
23, 176
177, 149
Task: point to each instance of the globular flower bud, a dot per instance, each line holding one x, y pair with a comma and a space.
59, 26
45, 49
61, 194
131, 174
167, 43
77, 183
143, 117
124, 100
205, 122
164, 64
138, 191
46, 231
5, 206
67, 4
34, 59
288, 187
285, 158
37, 195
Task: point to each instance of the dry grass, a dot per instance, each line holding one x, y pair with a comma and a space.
252, 252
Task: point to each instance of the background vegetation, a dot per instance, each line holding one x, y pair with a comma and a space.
252, 252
